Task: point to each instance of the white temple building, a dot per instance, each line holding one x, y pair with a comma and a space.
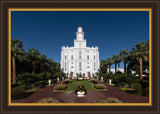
80, 59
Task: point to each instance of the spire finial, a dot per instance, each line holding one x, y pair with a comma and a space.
80, 25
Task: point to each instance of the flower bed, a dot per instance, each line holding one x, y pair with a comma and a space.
48, 100
60, 87
93, 81
100, 86
109, 100
67, 81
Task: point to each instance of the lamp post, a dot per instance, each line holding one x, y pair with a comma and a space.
110, 81
102, 79
62, 77
58, 79
49, 81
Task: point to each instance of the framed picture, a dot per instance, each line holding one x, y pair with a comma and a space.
80, 56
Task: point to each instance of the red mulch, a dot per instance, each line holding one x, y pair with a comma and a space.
92, 96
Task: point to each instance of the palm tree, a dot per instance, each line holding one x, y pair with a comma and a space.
50, 65
140, 52
123, 56
33, 55
103, 66
16, 50
109, 63
115, 60
43, 60
54, 67
57, 67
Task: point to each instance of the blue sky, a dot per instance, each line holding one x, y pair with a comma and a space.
111, 31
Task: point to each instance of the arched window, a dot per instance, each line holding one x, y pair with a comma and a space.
72, 57
80, 55
80, 66
65, 66
88, 57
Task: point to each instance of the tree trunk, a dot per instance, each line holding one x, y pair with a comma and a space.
124, 67
140, 65
33, 66
109, 68
14, 70
115, 68
43, 67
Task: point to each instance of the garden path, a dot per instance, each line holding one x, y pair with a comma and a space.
71, 97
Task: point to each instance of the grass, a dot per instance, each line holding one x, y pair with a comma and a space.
111, 84
48, 85
32, 90
73, 86
124, 88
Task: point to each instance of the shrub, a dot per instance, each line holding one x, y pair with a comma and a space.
60, 87
41, 76
32, 90
145, 83
17, 92
39, 84
109, 100
48, 100
54, 80
145, 92
93, 81
21, 82
100, 86
25, 77
124, 88
122, 84
137, 89
67, 81
48, 75
125, 78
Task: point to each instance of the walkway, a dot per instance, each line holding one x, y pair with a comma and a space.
71, 97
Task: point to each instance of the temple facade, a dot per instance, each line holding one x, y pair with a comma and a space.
80, 60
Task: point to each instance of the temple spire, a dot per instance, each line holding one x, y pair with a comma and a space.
80, 33
80, 25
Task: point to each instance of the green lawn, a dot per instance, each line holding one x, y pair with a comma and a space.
73, 86
124, 88
32, 90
